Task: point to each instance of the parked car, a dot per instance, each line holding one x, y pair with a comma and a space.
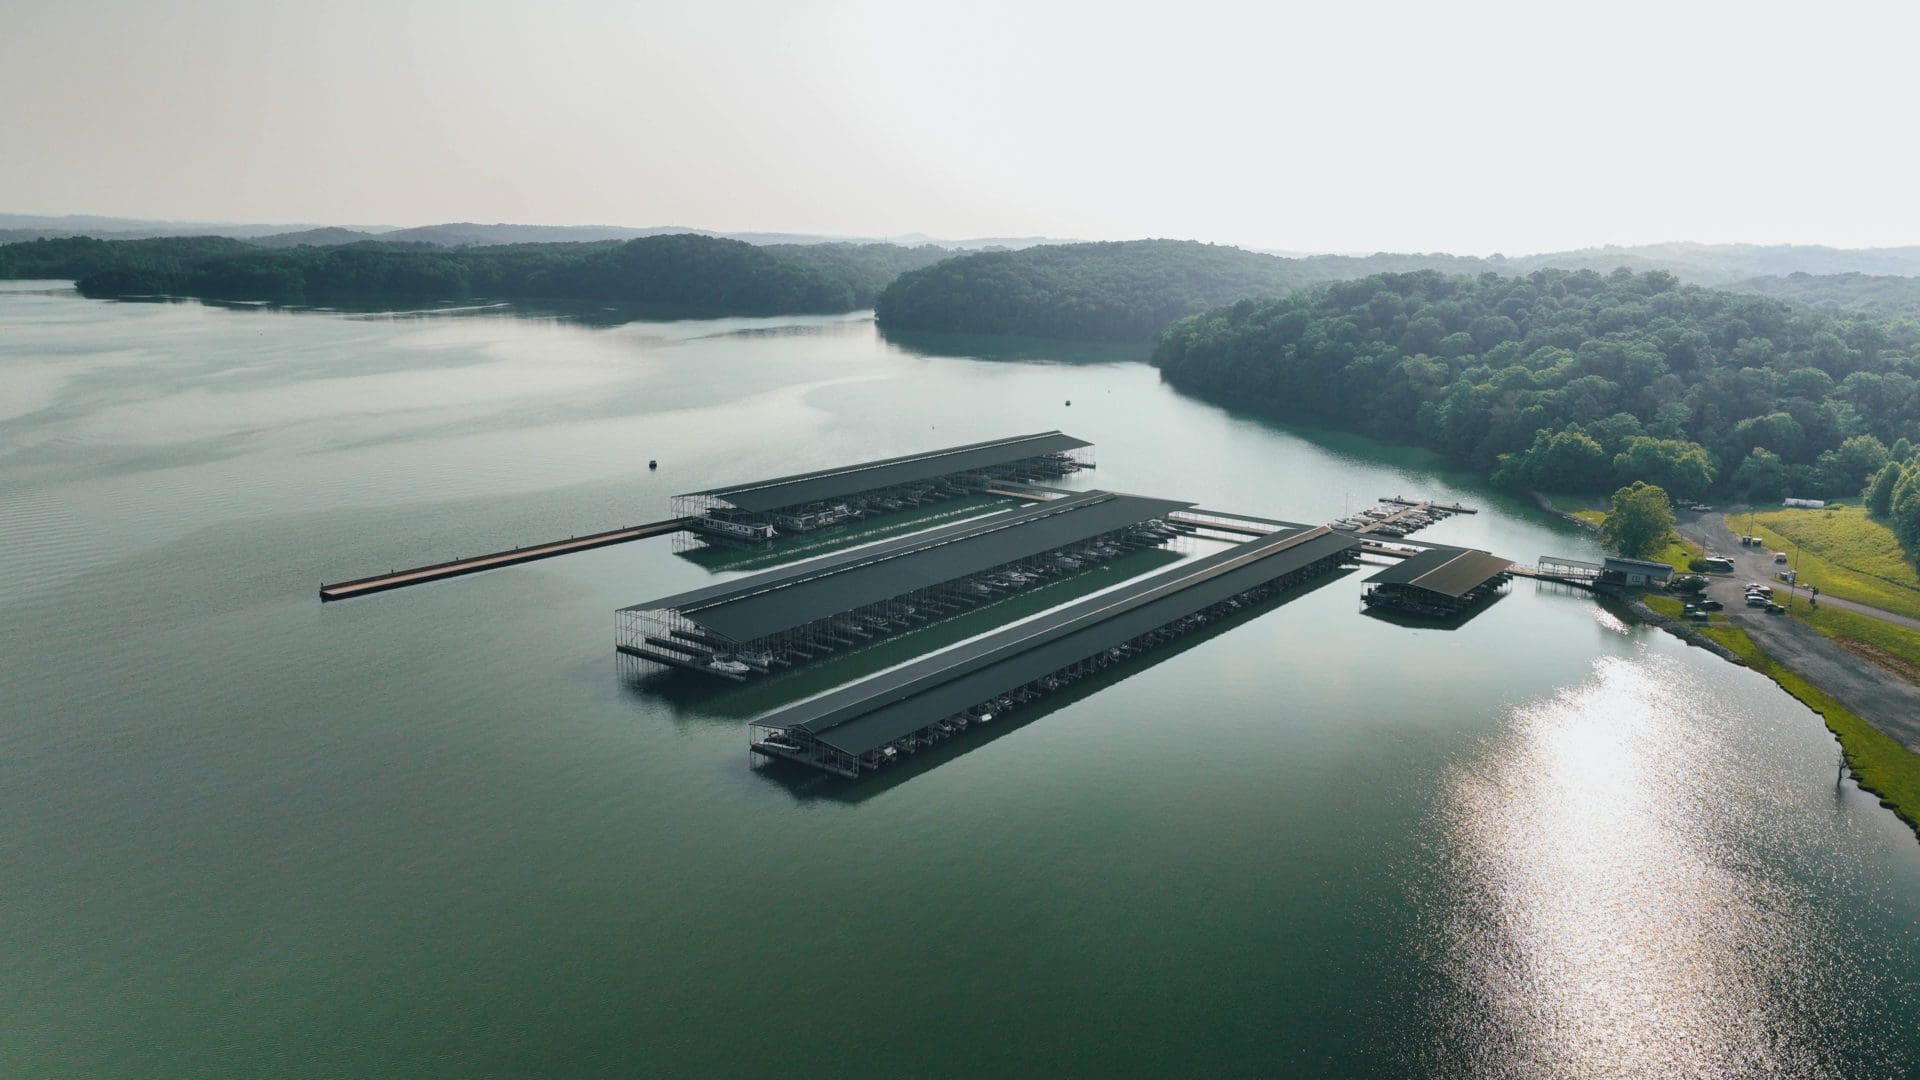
1718, 562
1710, 605
1779, 557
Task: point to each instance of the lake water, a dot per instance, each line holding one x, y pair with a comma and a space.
437, 832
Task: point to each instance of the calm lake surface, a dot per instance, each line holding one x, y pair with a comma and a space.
438, 832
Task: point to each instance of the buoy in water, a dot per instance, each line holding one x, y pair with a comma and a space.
652, 464
1069, 401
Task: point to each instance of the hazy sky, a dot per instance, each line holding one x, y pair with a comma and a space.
1323, 126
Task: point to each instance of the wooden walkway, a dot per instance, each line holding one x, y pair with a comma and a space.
1577, 579
1222, 523
1451, 508
400, 579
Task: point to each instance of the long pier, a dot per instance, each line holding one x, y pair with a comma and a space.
420, 575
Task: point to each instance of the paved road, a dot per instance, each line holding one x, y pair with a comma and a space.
1881, 698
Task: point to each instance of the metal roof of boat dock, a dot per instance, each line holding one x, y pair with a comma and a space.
760, 496
767, 603
1449, 571
868, 714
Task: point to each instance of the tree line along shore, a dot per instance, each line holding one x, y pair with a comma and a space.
1540, 377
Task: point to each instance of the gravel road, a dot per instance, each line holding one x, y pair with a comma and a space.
1878, 696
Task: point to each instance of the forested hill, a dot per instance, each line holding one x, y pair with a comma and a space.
1882, 294
1123, 291
1129, 291
1575, 380
687, 271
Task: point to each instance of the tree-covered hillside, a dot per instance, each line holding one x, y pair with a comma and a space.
1129, 291
1124, 291
1574, 380
1872, 294
79, 256
685, 270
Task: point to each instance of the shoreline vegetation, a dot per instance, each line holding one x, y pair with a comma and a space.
685, 271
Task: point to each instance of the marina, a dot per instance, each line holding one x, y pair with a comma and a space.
761, 510
240, 816
788, 617
787, 505
1396, 517
876, 722
1438, 583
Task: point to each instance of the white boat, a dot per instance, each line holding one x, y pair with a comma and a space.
739, 530
729, 667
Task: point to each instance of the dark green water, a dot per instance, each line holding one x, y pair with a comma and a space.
435, 832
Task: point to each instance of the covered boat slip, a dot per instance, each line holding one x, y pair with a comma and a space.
796, 613
1440, 581
869, 723
827, 496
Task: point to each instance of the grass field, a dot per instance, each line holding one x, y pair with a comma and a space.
1678, 553
1671, 606
1844, 552
1882, 765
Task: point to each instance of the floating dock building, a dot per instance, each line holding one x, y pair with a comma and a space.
869, 724
1439, 583
796, 614
807, 501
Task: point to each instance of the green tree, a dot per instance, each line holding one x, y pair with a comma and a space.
1851, 464
1682, 467
1639, 522
1762, 477
1879, 490
1904, 514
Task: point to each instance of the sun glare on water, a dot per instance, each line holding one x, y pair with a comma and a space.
1602, 916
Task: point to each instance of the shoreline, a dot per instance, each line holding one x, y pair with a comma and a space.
1855, 734
1869, 752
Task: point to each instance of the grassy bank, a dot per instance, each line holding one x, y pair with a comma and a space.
1894, 647
1878, 761
1671, 606
1844, 552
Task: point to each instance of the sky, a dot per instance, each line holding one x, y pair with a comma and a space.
1463, 127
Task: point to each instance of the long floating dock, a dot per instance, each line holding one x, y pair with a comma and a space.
871, 723
420, 575
763, 509
784, 618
